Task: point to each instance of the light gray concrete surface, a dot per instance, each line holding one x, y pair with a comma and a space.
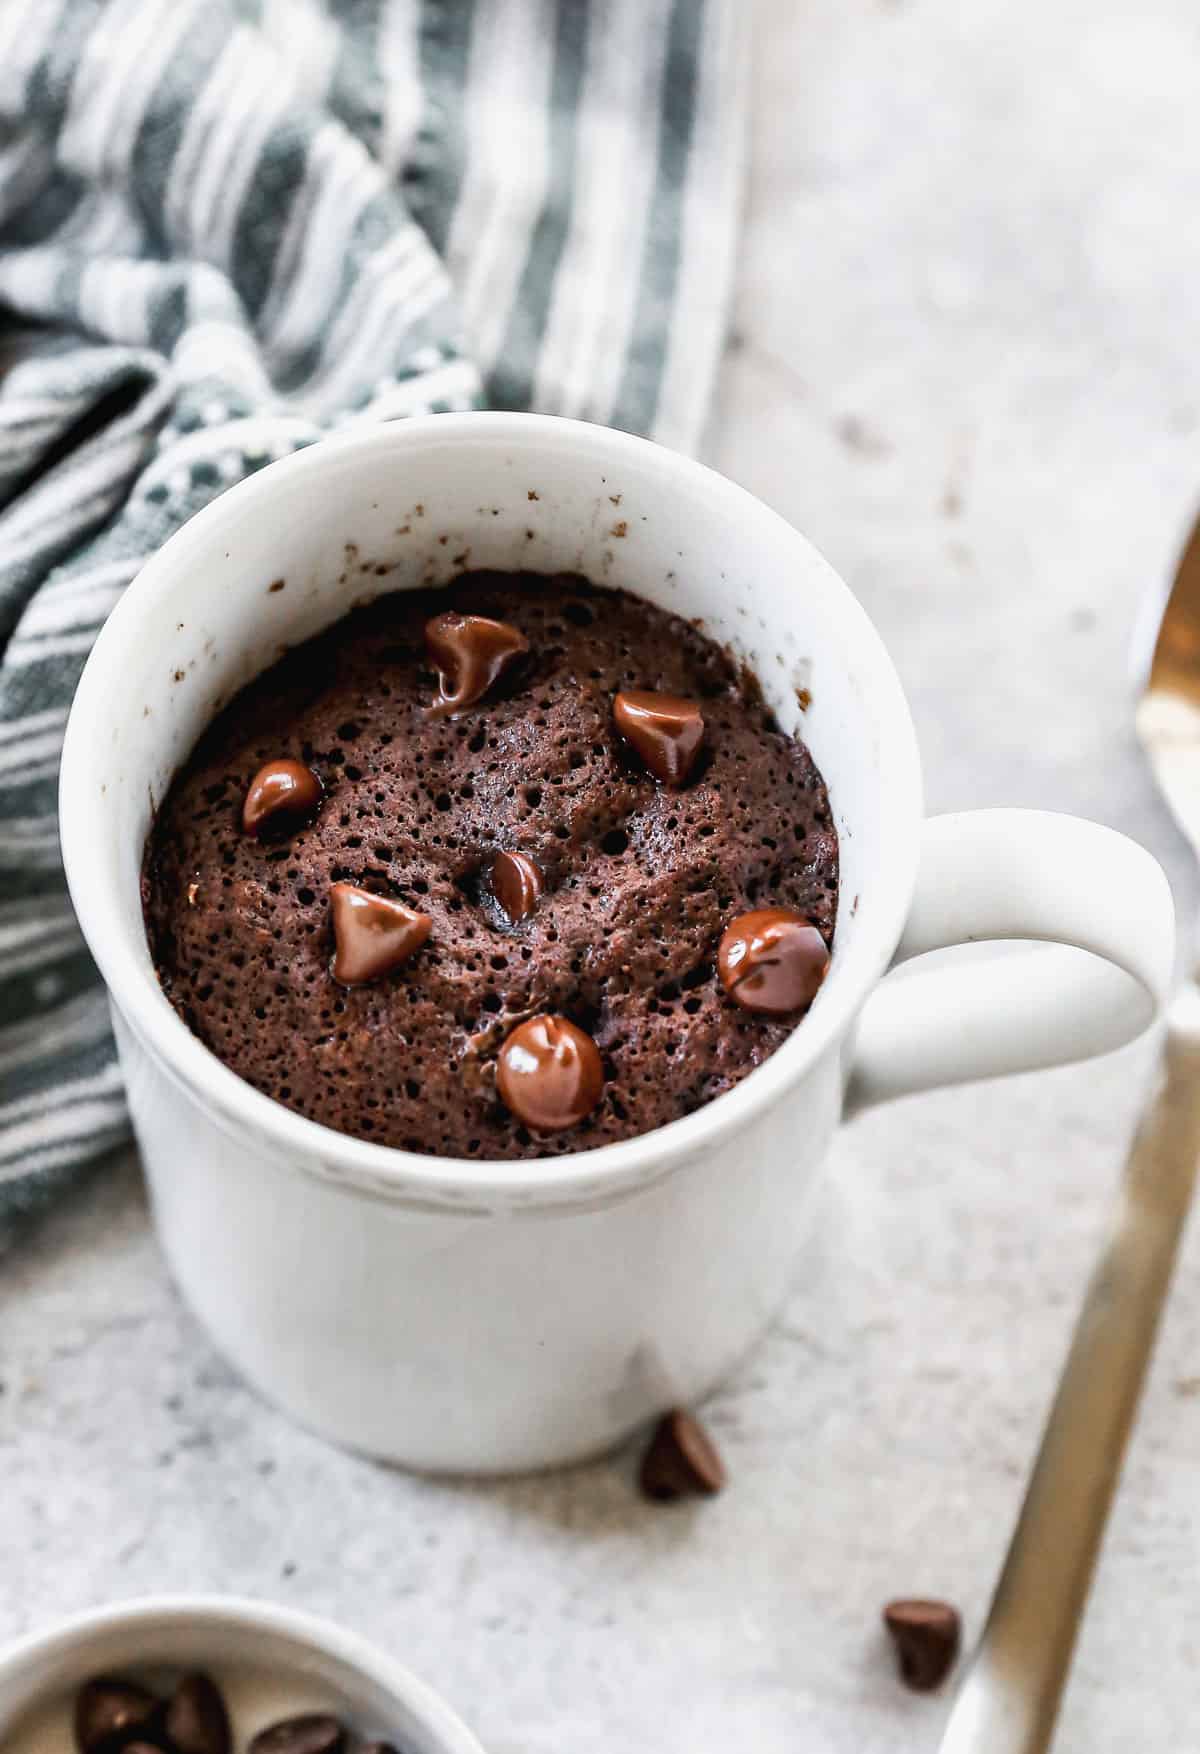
966, 363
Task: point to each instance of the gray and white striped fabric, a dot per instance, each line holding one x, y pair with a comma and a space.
228, 227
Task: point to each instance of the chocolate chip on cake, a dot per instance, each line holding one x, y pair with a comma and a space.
549, 1074
926, 1635
471, 652
663, 729
773, 961
426, 811
282, 796
516, 884
682, 1461
373, 934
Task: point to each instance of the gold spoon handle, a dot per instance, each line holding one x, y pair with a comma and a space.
1009, 1698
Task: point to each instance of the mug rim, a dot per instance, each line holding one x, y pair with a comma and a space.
592, 1175
244, 1613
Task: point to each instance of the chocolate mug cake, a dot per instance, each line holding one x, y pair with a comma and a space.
506, 869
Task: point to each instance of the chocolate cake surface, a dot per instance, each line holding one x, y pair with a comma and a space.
638, 879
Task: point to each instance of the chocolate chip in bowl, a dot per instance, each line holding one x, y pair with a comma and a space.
511, 868
214, 1676
192, 1718
197, 1721
311, 1732
109, 1713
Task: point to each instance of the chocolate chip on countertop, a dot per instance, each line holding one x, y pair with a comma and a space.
110, 1714
197, 1721
470, 652
682, 1460
376, 1748
926, 1636
312, 1733
665, 731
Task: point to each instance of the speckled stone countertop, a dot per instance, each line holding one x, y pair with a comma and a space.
965, 363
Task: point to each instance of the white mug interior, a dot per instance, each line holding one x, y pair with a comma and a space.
285, 554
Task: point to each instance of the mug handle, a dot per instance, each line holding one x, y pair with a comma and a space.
1099, 903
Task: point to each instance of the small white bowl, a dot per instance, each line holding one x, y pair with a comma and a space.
270, 1663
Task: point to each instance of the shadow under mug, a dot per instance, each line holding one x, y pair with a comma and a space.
488, 1317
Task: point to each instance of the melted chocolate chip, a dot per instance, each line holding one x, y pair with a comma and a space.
772, 960
663, 729
312, 1733
470, 653
926, 1636
282, 796
197, 1721
549, 1073
373, 934
109, 1714
516, 883
682, 1460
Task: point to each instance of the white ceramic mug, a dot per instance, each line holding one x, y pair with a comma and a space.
481, 1316
269, 1662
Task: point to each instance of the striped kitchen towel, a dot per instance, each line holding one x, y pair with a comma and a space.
228, 227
